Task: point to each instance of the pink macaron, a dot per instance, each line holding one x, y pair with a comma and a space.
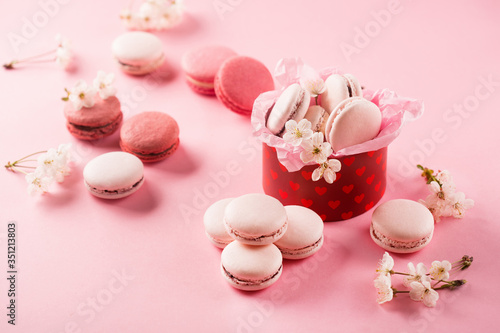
402, 226
96, 122
200, 66
239, 81
355, 120
304, 235
152, 136
338, 88
251, 268
114, 175
213, 220
255, 219
318, 118
138, 52
292, 104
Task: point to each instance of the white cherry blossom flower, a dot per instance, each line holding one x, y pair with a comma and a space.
47, 163
440, 270
416, 274
327, 170
82, 95
385, 265
103, 83
38, 182
315, 149
459, 204
64, 55
311, 81
422, 292
383, 284
296, 133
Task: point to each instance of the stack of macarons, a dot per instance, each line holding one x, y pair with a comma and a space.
342, 115
236, 80
256, 232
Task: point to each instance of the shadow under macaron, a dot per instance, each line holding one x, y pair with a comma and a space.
142, 201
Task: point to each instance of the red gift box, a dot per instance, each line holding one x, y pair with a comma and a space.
359, 185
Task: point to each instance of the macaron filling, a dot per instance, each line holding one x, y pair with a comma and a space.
140, 68
166, 151
118, 191
208, 85
399, 244
246, 282
240, 235
303, 250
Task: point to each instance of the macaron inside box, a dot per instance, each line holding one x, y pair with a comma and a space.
346, 175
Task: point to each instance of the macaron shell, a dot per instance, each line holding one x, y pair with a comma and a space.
251, 267
84, 133
291, 104
104, 112
96, 122
354, 121
318, 118
239, 81
114, 175
151, 136
255, 219
337, 90
354, 84
137, 48
213, 220
304, 235
202, 64
406, 224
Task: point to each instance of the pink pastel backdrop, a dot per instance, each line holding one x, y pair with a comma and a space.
142, 265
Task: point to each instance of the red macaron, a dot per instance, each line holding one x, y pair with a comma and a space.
96, 122
239, 81
151, 136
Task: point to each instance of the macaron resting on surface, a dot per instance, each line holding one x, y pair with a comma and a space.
248, 267
152, 136
255, 219
213, 220
402, 226
291, 104
338, 88
304, 235
138, 52
96, 122
114, 175
239, 81
355, 120
202, 64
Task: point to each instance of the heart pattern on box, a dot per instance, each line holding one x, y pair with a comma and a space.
358, 186
294, 186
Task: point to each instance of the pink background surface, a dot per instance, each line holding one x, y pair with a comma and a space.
71, 245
